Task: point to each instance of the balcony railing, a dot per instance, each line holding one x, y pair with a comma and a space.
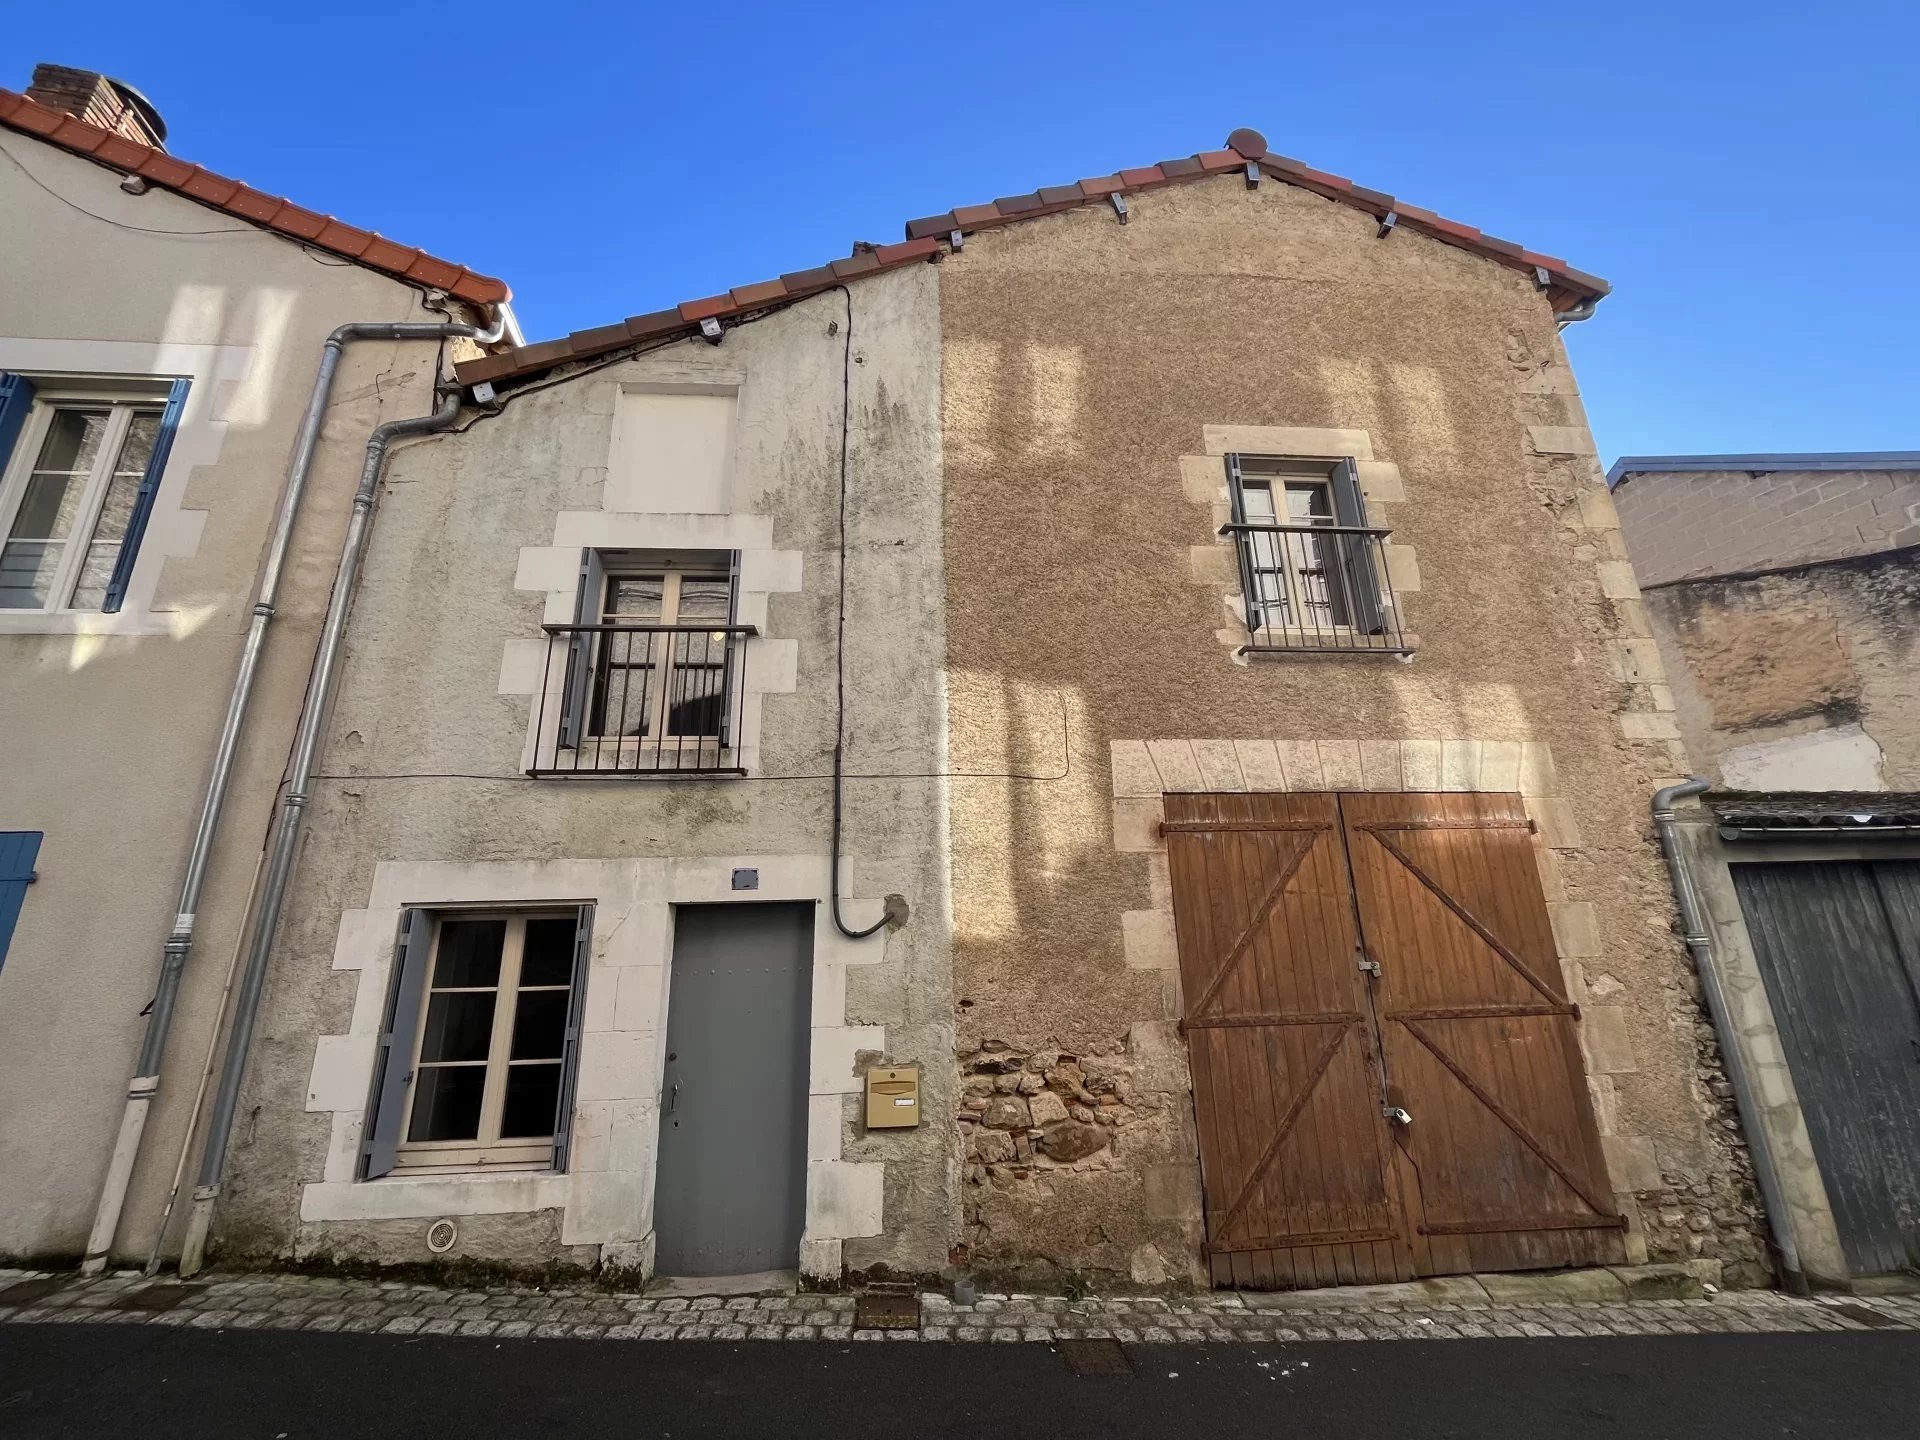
641, 700
1312, 588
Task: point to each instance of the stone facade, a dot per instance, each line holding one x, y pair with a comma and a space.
1719, 519
1097, 373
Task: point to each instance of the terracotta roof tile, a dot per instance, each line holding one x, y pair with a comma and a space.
270, 212
752, 297
694, 311
926, 237
932, 225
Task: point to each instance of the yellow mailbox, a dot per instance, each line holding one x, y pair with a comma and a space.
893, 1097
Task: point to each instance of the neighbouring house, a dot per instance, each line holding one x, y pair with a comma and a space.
1784, 597
1131, 680
160, 329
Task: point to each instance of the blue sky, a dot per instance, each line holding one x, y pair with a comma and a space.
1743, 174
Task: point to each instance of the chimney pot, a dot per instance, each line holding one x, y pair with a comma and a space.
111, 104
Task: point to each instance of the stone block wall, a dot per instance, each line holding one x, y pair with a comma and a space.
1684, 525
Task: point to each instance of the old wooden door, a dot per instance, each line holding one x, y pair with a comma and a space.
1386, 1077
1287, 1089
1839, 946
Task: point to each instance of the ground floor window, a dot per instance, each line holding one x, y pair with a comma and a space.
477, 1057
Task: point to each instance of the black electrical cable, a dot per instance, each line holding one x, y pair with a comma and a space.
840, 645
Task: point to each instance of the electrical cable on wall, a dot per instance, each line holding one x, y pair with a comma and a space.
840, 645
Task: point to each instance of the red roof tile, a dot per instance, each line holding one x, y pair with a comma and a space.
926, 237
270, 212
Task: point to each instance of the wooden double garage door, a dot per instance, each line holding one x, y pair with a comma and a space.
1387, 1082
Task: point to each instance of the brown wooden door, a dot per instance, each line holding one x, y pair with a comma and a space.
1294, 1149
1478, 1037
1299, 1052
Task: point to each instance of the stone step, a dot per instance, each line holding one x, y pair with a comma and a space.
1604, 1285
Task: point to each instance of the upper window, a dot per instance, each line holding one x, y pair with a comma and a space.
79, 465
480, 1043
1313, 572
651, 671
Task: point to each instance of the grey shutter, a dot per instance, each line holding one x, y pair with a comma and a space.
581, 649
570, 1054
143, 499
393, 1060
1356, 551
1243, 545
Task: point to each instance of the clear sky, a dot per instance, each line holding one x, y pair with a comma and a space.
1747, 175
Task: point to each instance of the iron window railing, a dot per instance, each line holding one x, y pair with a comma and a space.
644, 700
1316, 587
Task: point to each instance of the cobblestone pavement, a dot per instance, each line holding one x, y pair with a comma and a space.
299, 1302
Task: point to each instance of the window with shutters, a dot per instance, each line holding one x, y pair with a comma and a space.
478, 1054
80, 462
1313, 572
651, 672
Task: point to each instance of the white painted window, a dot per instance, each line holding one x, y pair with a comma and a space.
1312, 567
69, 494
490, 1049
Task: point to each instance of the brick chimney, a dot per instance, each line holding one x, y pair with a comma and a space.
94, 98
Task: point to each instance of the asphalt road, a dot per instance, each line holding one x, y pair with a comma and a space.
154, 1382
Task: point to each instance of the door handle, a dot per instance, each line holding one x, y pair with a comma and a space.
673, 1098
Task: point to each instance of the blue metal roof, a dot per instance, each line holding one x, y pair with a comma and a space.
1823, 460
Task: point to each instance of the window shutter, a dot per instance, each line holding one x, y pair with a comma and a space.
143, 498
393, 1060
18, 849
1243, 545
1356, 551
580, 651
16, 399
570, 1055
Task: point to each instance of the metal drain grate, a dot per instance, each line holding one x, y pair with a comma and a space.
1862, 1315
1095, 1357
30, 1292
154, 1297
886, 1312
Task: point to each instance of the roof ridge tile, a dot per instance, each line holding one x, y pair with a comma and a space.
926, 238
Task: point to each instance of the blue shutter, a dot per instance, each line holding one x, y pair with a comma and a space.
393, 1062
570, 1054
18, 848
143, 499
16, 399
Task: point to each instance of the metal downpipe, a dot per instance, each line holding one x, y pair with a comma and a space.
1699, 945
286, 833
178, 946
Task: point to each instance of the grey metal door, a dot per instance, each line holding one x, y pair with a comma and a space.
730, 1196
1839, 947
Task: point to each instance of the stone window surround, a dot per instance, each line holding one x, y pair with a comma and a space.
1143, 771
1203, 480
772, 665
172, 532
606, 1194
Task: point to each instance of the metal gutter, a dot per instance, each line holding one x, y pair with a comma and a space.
1628, 465
287, 825
179, 942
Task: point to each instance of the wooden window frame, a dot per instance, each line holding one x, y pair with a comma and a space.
488, 1151
49, 400
1337, 475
